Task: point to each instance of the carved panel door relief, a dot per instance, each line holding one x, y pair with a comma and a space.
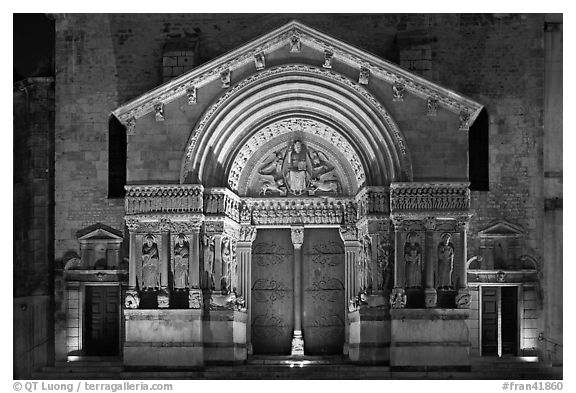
272, 292
323, 287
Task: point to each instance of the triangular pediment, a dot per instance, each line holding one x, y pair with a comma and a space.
295, 36
99, 232
501, 229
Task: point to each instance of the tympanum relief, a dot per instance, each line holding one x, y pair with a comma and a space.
298, 170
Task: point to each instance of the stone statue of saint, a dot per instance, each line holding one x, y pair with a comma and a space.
180, 268
413, 261
366, 265
208, 243
445, 262
384, 266
226, 262
150, 265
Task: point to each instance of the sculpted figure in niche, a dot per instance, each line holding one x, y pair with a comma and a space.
180, 268
150, 265
366, 258
445, 262
413, 261
226, 265
208, 245
385, 262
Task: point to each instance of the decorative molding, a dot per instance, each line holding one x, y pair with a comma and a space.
289, 126
156, 223
416, 196
192, 94
168, 198
327, 59
281, 37
259, 61
159, 111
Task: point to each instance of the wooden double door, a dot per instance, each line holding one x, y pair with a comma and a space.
102, 320
322, 292
500, 326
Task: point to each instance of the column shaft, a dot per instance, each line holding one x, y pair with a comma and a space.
430, 260
218, 262
165, 259
461, 259
132, 261
194, 262
399, 275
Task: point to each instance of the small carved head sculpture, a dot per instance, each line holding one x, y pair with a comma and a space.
149, 240
297, 146
446, 238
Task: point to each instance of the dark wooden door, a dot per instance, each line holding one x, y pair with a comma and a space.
489, 321
323, 292
272, 292
102, 320
509, 301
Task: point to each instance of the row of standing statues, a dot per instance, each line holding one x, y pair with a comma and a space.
378, 276
213, 277
373, 277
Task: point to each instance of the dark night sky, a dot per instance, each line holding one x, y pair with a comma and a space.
33, 45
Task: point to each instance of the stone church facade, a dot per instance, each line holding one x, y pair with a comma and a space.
285, 192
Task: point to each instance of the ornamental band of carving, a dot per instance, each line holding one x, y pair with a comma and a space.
420, 196
179, 198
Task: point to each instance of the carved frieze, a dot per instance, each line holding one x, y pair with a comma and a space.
373, 201
429, 196
221, 201
275, 171
247, 233
159, 111
176, 198
297, 211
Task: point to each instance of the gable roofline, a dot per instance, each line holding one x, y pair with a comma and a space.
341, 51
501, 228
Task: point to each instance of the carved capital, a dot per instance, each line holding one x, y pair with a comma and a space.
327, 59
159, 111
364, 76
132, 224
297, 236
247, 233
430, 223
165, 225
349, 233
461, 224
191, 93
225, 78
259, 61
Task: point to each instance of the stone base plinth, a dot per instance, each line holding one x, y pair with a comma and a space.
224, 336
429, 338
163, 338
369, 335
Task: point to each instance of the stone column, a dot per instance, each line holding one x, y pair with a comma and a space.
194, 292
244, 258
430, 295
132, 299
398, 295
463, 296
163, 296
297, 235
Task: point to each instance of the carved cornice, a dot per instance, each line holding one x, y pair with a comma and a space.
221, 201
283, 37
290, 126
427, 197
169, 198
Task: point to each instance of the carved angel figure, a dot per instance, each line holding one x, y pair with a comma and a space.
180, 267
445, 262
413, 261
150, 278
